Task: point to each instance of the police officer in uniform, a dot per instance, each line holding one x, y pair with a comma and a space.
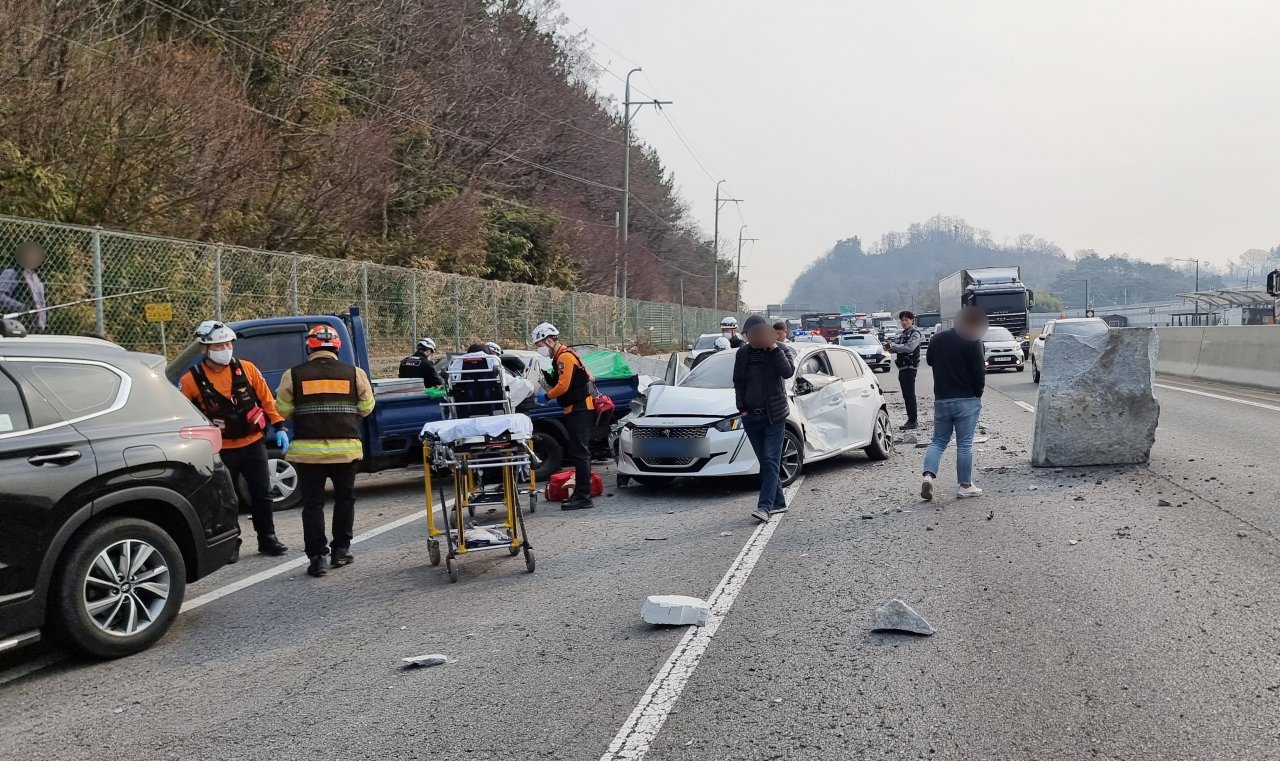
729, 330
326, 398
906, 351
571, 387
233, 394
419, 364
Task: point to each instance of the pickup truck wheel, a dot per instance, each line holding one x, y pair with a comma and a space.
285, 494
118, 589
549, 451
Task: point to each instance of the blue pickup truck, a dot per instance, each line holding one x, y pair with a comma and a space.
390, 434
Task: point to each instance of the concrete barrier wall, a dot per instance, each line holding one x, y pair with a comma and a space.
1241, 355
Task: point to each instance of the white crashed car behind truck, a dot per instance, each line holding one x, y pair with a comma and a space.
693, 429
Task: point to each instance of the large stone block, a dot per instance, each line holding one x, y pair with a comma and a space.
1096, 404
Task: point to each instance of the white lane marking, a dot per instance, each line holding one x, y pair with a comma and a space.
1220, 396
644, 723
19, 671
261, 576
1028, 407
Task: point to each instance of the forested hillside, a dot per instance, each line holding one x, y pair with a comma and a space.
902, 270
459, 135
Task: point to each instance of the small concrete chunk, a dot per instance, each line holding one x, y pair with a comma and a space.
897, 616
675, 610
1163, 503
435, 659
1096, 404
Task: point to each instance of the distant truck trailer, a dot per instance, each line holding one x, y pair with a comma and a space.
998, 291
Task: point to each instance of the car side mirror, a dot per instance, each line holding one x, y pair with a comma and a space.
690, 348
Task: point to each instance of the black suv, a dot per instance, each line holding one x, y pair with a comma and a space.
112, 495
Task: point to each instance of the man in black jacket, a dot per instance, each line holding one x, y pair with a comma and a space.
906, 347
759, 371
959, 377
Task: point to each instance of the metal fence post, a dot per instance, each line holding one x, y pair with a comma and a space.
413, 305
457, 318
217, 283
293, 282
497, 326
683, 338
364, 290
97, 281
528, 310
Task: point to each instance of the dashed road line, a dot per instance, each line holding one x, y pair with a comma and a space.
1028, 407
644, 723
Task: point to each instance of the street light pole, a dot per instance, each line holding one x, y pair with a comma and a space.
715, 249
737, 284
627, 103
1197, 300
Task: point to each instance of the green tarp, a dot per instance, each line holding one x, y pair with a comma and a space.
607, 364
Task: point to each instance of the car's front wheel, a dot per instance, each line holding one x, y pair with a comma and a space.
792, 461
881, 445
1035, 371
119, 588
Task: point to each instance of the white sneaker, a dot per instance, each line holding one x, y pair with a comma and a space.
926, 488
968, 491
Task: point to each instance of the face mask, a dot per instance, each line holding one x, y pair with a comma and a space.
544, 351
221, 356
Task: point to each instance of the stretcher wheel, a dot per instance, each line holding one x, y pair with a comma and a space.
513, 551
528, 559
471, 510
533, 503
433, 550
451, 566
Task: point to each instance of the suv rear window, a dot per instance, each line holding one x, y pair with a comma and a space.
74, 389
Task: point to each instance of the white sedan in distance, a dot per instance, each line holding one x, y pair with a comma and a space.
694, 429
705, 343
1075, 326
1003, 351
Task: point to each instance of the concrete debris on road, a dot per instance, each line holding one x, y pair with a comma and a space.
1032, 487
991, 515
908, 438
675, 610
1096, 403
1073, 542
726, 533
980, 439
434, 659
1163, 503
897, 616
922, 445
867, 516
1242, 534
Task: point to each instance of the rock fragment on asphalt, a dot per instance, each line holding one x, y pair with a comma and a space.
1163, 503
1242, 534
674, 610
726, 533
867, 516
1073, 542
423, 661
897, 616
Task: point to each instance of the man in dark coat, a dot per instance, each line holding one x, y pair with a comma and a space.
760, 370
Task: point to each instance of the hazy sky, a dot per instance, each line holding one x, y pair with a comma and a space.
1151, 128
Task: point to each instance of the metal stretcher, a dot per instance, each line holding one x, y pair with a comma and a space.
486, 448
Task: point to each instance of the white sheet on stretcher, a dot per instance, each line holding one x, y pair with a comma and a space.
517, 424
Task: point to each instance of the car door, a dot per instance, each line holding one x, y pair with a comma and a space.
860, 403
1037, 350
820, 398
47, 471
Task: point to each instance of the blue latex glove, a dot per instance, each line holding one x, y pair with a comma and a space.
541, 399
282, 441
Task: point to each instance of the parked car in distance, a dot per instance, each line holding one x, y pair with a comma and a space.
693, 429
1002, 350
871, 350
1074, 326
809, 338
112, 496
705, 343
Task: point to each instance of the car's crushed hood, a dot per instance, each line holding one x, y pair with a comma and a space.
700, 402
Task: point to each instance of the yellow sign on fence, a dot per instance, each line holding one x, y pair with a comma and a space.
160, 312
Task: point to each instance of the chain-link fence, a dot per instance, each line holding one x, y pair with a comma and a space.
209, 280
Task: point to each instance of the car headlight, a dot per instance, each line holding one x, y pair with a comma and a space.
729, 424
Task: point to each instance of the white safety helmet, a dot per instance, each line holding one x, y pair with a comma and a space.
545, 330
214, 332
427, 344
729, 322
493, 347
721, 343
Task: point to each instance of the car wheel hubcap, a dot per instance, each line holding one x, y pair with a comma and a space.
790, 458
126, 588
284, 480
882, 432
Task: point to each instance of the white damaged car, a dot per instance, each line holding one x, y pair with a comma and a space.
693, 428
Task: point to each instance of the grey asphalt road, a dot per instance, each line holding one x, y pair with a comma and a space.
1153, 636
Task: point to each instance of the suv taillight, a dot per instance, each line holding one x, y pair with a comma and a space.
209, 433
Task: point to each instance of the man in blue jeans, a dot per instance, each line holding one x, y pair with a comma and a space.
959, 377
760, 369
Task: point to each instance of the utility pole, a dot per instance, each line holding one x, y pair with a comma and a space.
627, 103
715, 249
616, 250
737, 285
1197, 300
